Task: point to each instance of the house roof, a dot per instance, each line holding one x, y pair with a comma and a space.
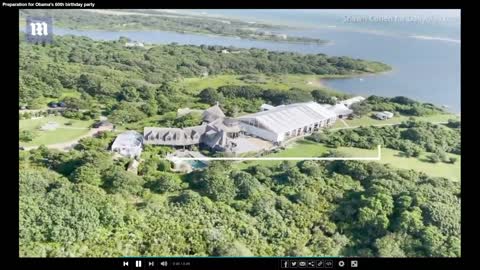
128, 139
225, 124
103, 123
289, 117
386, 113
340, 109
350, 101
213, 113
174, 136
211, 133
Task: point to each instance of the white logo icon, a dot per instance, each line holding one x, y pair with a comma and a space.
39, 29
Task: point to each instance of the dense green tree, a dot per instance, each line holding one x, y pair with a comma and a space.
211, 96
117, 180
361, 109
126, 113
164, 182
321, 97
389, 246
217, 184
26, 136
246, 184
236, 249
87, 173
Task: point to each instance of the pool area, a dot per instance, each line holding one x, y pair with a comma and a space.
196, 164
188, 165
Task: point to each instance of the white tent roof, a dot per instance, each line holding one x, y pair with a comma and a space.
340, 109
266, 107
350, 101
289, 117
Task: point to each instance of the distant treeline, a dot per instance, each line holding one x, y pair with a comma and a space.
399, 104
248, 98
161, 21
412, 137
107, 72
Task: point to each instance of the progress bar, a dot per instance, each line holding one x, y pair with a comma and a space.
377, 158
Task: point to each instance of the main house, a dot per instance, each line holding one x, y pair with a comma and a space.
274, 124
216, 131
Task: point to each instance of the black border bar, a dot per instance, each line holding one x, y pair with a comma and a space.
222, 263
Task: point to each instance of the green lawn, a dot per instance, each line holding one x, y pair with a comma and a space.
304, 148
394, 157
283, 82
368, 120
300, 148
45, 100
63, 133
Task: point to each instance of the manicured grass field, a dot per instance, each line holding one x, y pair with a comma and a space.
283, 82
368, 120
395, 158
63, 133
300, 148
304, 148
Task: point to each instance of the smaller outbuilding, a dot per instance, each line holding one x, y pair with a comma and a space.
128, 144
103, 124
340, 110
383, 115
349, 102
134, 44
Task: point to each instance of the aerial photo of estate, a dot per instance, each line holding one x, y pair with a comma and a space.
169, 133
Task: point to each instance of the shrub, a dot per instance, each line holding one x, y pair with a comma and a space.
452, 160
434, 158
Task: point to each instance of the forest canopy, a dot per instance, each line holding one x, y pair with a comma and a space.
108, 70
88, 205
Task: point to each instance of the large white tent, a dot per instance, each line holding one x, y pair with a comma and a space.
279, 123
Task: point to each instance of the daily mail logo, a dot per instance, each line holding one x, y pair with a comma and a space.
39, 30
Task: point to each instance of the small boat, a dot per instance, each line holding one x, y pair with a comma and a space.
361, 79
445, 106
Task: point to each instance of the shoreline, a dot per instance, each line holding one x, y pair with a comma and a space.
313, 42
323, 78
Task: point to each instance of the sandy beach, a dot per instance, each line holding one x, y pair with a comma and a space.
316, 82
